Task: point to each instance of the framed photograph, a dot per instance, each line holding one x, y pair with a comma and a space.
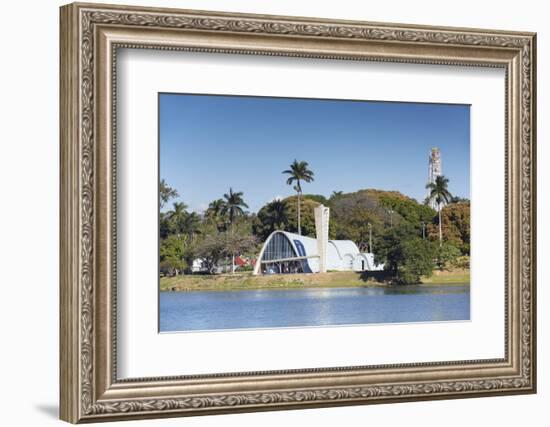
266, 212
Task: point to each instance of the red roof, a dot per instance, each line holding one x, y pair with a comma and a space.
240, 262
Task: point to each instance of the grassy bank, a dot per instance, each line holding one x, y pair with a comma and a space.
243, 281
448, 277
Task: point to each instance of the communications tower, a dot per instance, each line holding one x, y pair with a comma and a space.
434, 170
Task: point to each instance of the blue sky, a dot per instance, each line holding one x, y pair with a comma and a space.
209, 143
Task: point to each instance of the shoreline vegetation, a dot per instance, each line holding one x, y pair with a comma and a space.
411, 240
340, 279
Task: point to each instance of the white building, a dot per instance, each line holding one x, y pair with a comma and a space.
285, 252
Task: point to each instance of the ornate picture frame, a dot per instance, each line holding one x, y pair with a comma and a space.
90, 37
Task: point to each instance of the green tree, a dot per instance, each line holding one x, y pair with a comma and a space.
405, 208
213, 246
307, 215
351, 213
177, 216
386, 251
455, 223
191, 224
298, 172
273, 216
447, 254
166, 193
354, 226
233, 208
390, 204
457, 199
237, 243
441, 195
319, 198
215, 213
417, 255
166, 226
172, 253
405, 255
233, 205
210, 249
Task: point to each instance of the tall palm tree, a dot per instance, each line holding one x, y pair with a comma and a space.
215, 208
299, 171
214, 212
232, 208
166, 193
233, 205
191, 224
441, 195
177, 216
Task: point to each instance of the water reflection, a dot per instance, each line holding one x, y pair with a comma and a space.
192, 311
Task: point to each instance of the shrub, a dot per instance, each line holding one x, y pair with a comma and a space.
171, 267
172, 252
462, 263
447, 254
405, 256
416, 261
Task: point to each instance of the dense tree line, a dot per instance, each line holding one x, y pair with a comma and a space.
221, 233
410, 238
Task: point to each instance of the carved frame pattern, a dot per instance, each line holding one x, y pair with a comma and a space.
80, 22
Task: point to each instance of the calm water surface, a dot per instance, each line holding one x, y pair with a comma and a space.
268, 308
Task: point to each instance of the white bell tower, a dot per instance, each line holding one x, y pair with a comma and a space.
322, 214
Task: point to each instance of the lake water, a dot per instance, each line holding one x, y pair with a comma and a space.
269, 308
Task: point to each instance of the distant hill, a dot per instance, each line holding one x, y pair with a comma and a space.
351, 214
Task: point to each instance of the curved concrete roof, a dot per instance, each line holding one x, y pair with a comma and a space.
309, 243
345, 247
305, 246
342, 247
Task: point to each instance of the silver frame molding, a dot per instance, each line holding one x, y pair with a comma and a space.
90, 37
